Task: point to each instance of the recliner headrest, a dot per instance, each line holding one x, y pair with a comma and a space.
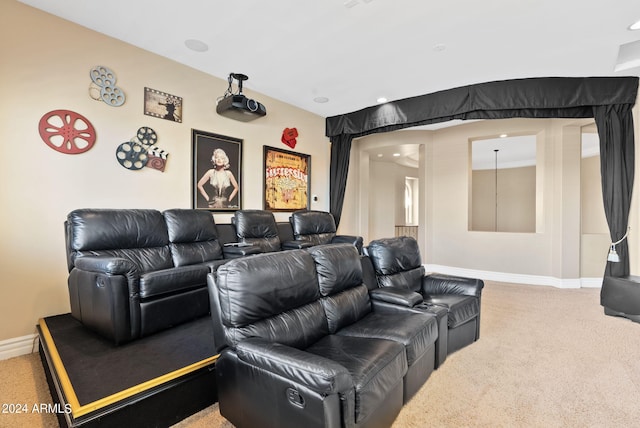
258, 287
393, 255
308, 222
188, 225
255, 224
107, 229
338, 267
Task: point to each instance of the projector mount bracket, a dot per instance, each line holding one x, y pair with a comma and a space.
240, 78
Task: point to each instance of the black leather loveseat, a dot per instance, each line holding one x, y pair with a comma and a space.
133, 272
302, 345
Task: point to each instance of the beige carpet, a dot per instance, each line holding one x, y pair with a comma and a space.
546, 358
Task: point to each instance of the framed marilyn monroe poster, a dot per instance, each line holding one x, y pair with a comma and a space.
216, 171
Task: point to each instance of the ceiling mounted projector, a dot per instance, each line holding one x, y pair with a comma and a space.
237, 106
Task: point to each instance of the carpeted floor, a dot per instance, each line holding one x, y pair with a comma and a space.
546, 357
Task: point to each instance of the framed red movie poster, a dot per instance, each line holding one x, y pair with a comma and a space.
287, 178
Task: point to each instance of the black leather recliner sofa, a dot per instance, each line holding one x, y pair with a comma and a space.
302, 345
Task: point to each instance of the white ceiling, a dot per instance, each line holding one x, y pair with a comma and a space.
354, 51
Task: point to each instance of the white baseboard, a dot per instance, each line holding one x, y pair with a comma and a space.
591, 282
517, 278
18, 346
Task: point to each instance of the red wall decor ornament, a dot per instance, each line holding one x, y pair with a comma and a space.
289, 136
67, 132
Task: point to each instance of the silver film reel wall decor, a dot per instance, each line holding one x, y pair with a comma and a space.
103, 86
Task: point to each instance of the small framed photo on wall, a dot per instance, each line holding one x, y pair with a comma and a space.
287, 177
216, 171
162, 105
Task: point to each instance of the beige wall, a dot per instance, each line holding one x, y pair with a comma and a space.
595, 232
45, 66
386, 204
382, 211
402, 172
515, 210
371, 175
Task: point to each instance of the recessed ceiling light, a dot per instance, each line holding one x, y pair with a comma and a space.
628, 56
382, 100
196, 45
395, 155
321, 100
503, 135
635, 26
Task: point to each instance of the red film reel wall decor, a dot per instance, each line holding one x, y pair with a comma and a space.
67, 132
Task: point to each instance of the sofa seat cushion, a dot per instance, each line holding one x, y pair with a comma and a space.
318, 239
461, 308
195, 252
417, 332
266, 244
376, 366
235, 250
296, 244
162, 282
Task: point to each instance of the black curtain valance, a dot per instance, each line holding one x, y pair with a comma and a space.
548, 97
607, 99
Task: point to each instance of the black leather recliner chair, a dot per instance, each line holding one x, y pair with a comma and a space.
401, 300
398, 264
319, 228
301, 345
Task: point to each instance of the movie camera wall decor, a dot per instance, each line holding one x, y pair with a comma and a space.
142, 151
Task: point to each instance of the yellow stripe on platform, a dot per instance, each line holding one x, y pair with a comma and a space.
77, 410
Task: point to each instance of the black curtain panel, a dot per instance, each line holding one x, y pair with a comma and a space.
340, 149
615, 129
608, 99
